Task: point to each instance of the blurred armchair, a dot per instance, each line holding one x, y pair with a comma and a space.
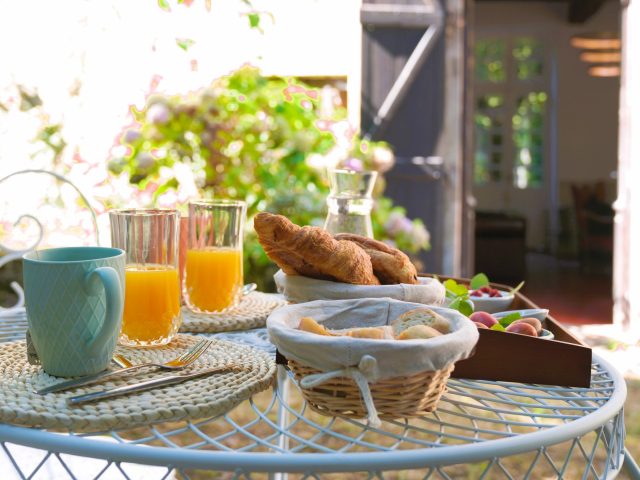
594, 220
504, 233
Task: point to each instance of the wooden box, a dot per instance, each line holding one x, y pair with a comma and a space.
564, 361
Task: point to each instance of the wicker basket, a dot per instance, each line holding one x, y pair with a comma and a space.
397, 397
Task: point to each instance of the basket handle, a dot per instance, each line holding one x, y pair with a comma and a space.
365, 372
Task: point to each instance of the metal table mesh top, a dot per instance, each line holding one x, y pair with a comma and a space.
561, 432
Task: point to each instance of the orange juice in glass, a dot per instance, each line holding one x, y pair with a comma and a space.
152, 285
152, 303
213, 274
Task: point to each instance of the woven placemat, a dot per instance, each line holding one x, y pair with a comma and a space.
193, 399
251, 312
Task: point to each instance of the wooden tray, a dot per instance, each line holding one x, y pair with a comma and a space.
564, 361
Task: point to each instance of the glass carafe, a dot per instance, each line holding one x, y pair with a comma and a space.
350, 202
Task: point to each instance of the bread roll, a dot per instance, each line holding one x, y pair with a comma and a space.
420, 316
377, 333
418, 331
308, 324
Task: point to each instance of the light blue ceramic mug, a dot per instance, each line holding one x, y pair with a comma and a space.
74, 299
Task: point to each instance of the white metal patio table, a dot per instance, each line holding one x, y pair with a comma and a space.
481, 429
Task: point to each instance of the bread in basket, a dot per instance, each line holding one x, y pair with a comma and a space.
362, 377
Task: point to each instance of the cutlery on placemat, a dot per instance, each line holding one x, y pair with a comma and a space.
248, 288
147, 385
182, 361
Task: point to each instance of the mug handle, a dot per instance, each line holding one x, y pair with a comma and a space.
115, 304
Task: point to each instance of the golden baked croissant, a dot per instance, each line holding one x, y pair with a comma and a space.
312, 252
390, 265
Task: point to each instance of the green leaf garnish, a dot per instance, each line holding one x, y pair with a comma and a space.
497, 327
449, 285
478, 281
254, 20
509, 319
455, 303
455, 289
465, 307
185, 43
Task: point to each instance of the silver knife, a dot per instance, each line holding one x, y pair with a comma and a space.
147, 385
86, 380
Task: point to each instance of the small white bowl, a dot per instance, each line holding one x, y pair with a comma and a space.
539, 313
492, 304
546, 334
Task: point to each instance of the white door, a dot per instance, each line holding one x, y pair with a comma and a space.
513, 172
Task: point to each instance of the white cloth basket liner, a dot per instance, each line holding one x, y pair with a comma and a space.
393, 357
299, 289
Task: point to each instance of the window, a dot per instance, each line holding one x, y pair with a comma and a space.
489, 138
511, 112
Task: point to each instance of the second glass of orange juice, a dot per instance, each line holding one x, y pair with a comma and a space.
213, 269
152, 285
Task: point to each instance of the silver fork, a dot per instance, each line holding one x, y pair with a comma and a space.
182, 361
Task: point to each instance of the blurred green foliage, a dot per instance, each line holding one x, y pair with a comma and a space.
256, 139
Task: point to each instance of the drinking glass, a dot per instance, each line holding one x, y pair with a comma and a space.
213, 272
152, 285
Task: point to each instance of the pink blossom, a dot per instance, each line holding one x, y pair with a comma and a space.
144, 160
383, 158
354, 164
398, 223
131, 136
420, 237
158, 114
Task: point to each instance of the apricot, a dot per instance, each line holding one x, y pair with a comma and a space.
483, 317
480, 325
534, 322
522, 328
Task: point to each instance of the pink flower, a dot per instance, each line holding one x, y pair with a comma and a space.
145, 160
383, 158
398, 223
158, 114
131, 136
420, 237
354, 164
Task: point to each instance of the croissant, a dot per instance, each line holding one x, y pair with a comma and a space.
390, 265
312, 252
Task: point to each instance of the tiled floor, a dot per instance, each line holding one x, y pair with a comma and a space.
571, 295
583, 302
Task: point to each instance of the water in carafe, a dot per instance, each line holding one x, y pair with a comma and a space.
350, 202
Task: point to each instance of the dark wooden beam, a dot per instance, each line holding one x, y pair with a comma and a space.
521, 1
581, 10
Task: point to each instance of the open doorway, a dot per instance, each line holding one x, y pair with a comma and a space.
545, 156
